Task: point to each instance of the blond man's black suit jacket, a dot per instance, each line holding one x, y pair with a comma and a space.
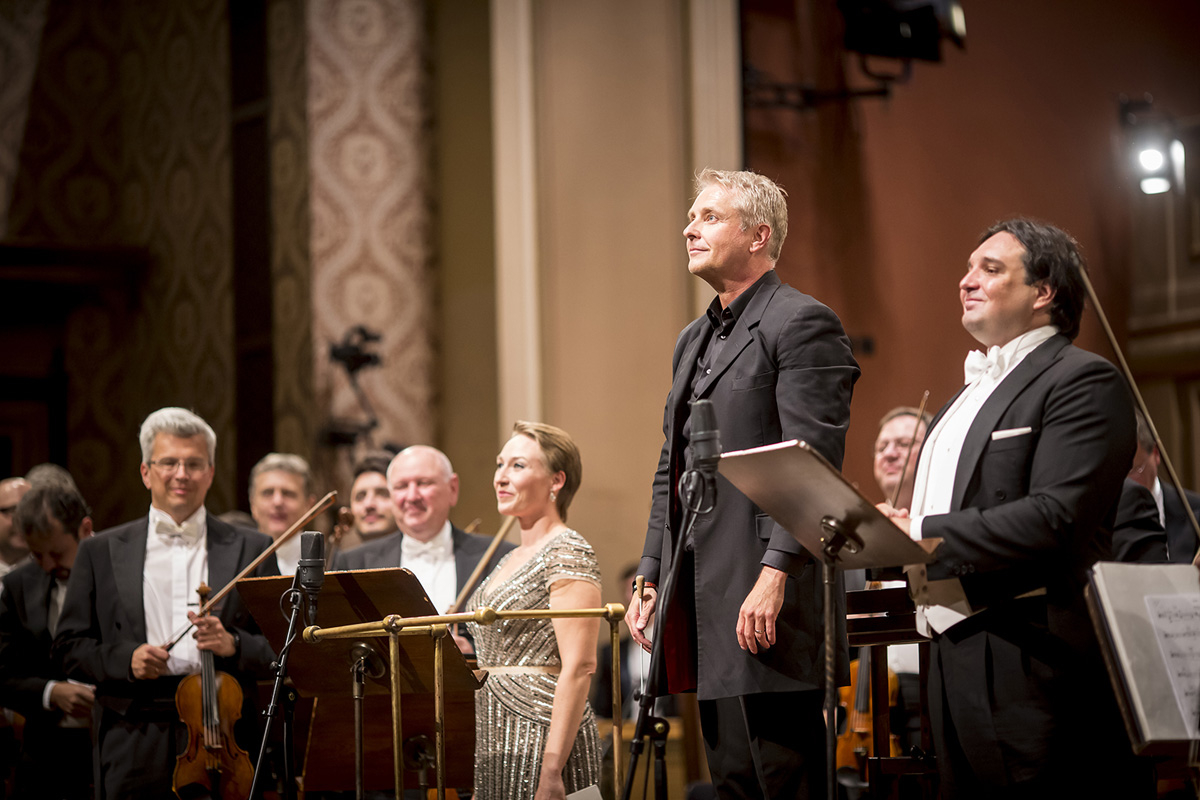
785, 372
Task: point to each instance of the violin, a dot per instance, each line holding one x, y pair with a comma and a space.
344, 524
856, 744
209, 703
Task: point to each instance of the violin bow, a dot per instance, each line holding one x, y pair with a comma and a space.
206, 608
908, 453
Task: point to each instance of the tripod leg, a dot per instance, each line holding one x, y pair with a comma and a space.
659, 741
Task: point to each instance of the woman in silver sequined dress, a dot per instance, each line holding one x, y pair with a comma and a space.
535, 734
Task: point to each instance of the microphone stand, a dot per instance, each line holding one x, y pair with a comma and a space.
694, 490
296, 599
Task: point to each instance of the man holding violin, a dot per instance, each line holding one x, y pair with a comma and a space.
133, 592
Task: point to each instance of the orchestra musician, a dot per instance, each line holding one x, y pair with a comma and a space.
1019, 478
1180, 536
370, 503
280, 493
56, 754
132, 590
424, 488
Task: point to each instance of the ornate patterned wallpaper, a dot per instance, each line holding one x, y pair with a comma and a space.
127, 143
21, 26
371, 239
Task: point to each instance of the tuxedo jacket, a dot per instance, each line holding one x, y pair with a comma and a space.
385, 552
103, 620
785, 372
1181, 538
25, 663
1137, 535
1023, 682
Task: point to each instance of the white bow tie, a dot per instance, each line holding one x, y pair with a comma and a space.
979, 364
433, 550
188, 533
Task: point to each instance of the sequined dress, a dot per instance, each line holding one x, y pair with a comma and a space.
512, 710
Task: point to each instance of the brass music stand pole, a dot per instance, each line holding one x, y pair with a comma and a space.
397, 734
439, 712
614, 625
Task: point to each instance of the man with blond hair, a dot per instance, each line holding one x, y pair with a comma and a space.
745, 627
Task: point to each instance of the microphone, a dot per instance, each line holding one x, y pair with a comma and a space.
310, 572
705, 439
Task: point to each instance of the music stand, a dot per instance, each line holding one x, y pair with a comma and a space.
822, 511
327, 671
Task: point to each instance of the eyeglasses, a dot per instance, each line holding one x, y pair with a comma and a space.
167, 466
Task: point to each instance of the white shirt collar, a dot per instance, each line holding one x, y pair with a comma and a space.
999, 360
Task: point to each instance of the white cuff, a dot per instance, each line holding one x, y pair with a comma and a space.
914, 527
46, 694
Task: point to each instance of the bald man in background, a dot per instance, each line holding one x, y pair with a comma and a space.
13, 549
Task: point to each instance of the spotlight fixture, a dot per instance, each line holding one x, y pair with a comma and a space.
1156, 154
903, 29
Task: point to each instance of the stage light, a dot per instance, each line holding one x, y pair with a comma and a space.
1155, 185
1152, 159
904, 29
1156, 156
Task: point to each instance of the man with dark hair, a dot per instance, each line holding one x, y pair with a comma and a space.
133, 591
1181, 537
56, 758
370, 502
745, 629
1019, 478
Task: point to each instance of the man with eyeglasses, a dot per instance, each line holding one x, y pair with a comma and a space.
133, 592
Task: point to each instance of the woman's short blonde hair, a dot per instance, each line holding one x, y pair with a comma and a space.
561, 455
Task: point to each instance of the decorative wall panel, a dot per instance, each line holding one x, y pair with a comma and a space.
128, 143
368, 134
21, 25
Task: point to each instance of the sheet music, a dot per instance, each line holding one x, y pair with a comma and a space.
1176, 621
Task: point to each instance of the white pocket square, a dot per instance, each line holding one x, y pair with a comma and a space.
1011, 432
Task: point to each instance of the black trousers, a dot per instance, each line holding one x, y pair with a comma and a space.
769, 746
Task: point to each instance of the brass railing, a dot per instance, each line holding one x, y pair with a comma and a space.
394, 626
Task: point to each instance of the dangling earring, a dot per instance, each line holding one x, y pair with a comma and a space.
553, 495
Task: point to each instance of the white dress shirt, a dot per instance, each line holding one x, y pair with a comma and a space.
288, 555
942, 604
176, 564
434, 565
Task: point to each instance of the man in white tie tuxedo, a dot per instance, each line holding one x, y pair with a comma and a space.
424, 487
56, 754
280, 493
1019, 478
133, 590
